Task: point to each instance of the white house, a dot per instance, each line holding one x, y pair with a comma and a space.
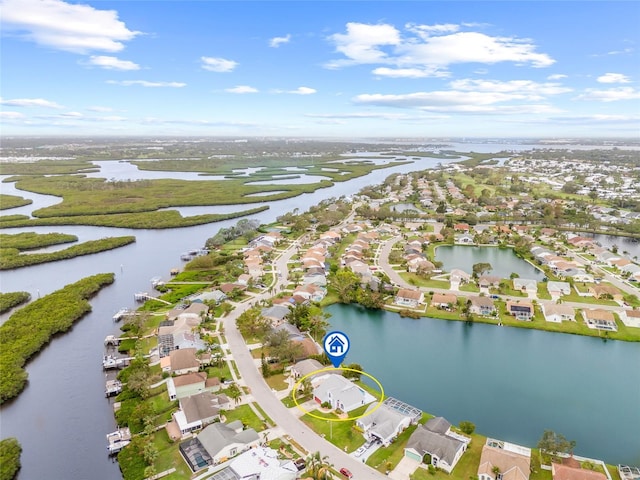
557, 312
409, 298
527, 285
557, 289
341, 393
388, 420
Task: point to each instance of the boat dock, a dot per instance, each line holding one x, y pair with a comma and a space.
123, 312
109, 362
112, 388
144, 296
117, 440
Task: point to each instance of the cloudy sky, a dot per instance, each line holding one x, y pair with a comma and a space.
294, 68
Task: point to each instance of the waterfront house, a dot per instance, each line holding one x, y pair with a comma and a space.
599, 319
217, 443
464, 239
183, 361
526, 285
520, 310
557, 312
385, 422
504, 461
557, 289
631, 318
341, 393
409, 298
488, 281
444, 300
578, 275
567, 472
310, 292
199, 410
481, 306
214, 295
191, 384
461, 227
435, 444
459, 276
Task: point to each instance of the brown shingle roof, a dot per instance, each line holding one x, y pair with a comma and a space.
512, 465
566, 472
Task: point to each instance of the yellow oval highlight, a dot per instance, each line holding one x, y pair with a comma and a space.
331, 369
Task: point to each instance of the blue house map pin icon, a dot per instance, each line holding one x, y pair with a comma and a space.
336, 345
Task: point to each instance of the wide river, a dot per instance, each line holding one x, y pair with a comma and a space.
513, 383
62, 417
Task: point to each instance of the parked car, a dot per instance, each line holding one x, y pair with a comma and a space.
495, 297
346, 472
300, 464
360, 451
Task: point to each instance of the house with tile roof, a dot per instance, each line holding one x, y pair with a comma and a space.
504, 461
566, 472
599, 319
557, 313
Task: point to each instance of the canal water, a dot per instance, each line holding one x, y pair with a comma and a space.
61, 418
503, 261
512, 383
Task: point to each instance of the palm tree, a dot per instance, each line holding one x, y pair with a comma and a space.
318, 467
496, 471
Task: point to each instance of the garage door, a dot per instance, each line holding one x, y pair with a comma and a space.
412, 455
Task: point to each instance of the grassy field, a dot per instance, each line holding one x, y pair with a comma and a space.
246, 416
418, 281
13, 201
341, 434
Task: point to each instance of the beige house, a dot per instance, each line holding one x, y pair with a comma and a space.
183, 361
504, 461
599, 319
409, 298
557, 312
443, 300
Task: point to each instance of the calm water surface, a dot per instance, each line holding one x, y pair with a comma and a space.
512, 383
503, 260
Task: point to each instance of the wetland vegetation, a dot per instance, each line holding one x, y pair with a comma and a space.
30, 328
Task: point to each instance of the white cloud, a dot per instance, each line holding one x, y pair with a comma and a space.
557, 76
429, 48
145, 83
275, 42
475, 102
220, 65
65, 26
112, 63
303, 91
30, 102
591, 119
242, 89
12, 115
71, 115
610, 95
362, 41
408, 72
533, 89
424, 31
374, 115
613, 78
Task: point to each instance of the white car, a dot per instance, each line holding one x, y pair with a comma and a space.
360, 451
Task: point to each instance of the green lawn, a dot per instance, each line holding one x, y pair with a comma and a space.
277, 382
169, 456
469, 287
543, 293
223, 372
246, 416
264, 415
341, 434
418, 281
467, 467
574, 297
386, 458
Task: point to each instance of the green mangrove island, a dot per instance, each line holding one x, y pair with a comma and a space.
31, 327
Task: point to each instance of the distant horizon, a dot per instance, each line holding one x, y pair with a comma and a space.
321, 69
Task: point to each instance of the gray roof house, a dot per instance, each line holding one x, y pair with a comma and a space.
435, 440
306, 367
525, 284
199, 410
275, 313
388, 420
222, 441
341, 393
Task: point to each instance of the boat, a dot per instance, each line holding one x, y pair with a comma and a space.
117, 440
123, 312
112, 387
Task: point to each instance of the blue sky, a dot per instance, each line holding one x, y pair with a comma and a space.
337, 69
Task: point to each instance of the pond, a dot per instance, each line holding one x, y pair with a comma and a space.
503, 260
513, 383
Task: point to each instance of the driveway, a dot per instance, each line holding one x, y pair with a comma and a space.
404, 469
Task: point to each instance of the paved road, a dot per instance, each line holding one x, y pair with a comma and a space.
273, 407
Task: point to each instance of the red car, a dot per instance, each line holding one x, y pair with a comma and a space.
346, 473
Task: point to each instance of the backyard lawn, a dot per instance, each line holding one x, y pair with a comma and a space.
246, 416
341, 434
